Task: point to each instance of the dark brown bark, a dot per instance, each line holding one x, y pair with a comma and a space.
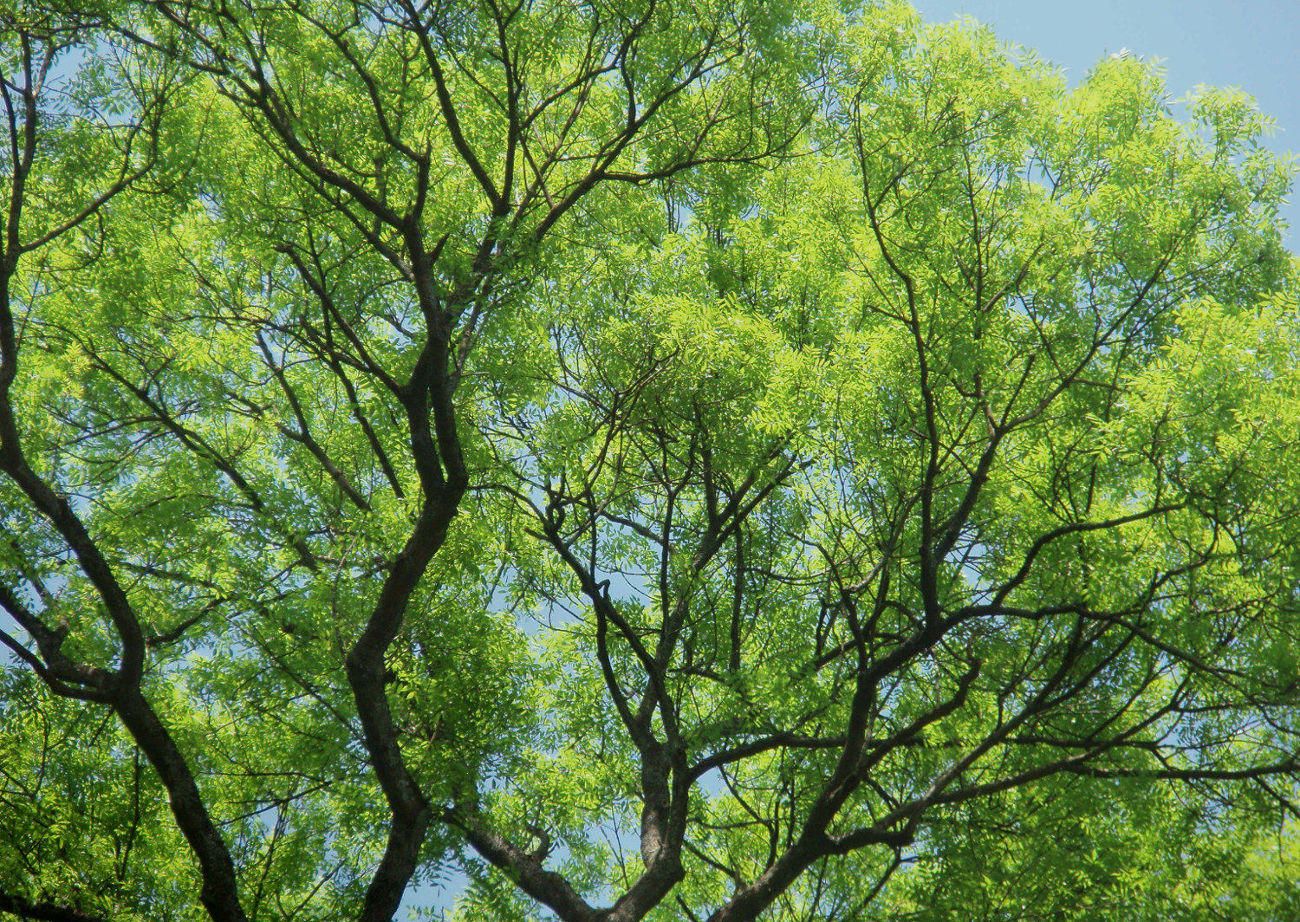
220, 892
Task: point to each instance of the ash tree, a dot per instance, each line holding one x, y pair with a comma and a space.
636, 460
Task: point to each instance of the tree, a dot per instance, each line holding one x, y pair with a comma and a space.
656, 460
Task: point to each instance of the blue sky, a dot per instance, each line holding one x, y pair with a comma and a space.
1252, 44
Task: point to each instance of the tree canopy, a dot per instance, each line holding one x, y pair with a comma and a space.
636, 459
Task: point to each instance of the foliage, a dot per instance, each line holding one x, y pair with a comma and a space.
639, 460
